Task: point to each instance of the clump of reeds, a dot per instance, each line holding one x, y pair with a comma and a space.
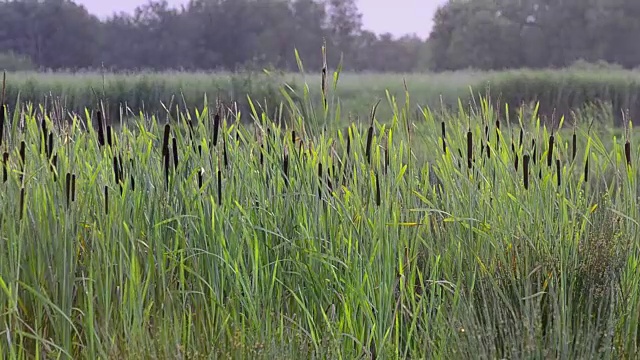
444, 136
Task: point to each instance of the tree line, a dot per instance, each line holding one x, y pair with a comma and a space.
241, 34
201, 35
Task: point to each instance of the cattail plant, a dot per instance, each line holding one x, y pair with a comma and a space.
106, 200
369, 143
550, 152
101, 139
285, 166
559, 172
5, 166
469, 149
216, 128
43, 130
444, 136
219, 187
23, 159
73, 188
174, 144
320, 180
525, 170
109, 136
68, 188
21, 202
165, 141
586, 169
166, 169
627, 146
50, 147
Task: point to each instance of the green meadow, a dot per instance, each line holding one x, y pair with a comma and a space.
200, 229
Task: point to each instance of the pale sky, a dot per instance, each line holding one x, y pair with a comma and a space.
395, 16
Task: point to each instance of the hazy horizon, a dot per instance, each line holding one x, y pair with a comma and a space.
405, 17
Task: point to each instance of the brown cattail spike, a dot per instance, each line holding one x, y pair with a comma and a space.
550, 153
73, 188
586, 169
525, 171
109, 136
100, 128
444, 136
627, 152
369, 142
165, 141
559, 172
68, 188
175, 153
5, 166
216, 128
21, 202
219, 187
469, 149
50, 149
106, 200
166, 170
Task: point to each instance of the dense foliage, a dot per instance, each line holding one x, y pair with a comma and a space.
417, 235
204, 35
499, 34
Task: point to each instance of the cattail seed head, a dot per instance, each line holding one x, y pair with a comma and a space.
109, 136
444, 136
73, 188
559, 172
369, 143
521, 137
550, 153
21, 202
586, 169
216, 128
166, 169
165, 140
116, 172
469, 149
5, 163
68, 188
50, 148
100, 128
175, 153
219, 187
106, 200
627, 152
525, 171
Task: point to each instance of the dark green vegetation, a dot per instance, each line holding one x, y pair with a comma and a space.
254, 34
562, 92
197, 234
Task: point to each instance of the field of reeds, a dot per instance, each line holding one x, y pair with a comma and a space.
558, 92
425, 233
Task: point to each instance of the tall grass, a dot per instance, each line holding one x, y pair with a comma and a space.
202, 236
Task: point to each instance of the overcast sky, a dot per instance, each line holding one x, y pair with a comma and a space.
397, 17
